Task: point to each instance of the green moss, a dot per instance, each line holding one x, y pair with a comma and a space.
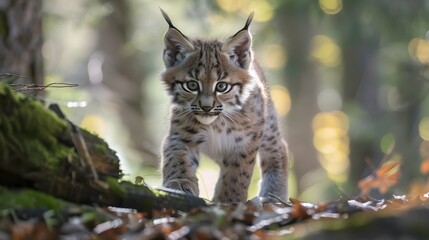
27, 198
100, 147
29, 132
115, 187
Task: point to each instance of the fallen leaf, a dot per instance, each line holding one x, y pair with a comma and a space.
386, 168
385, 177
299, 210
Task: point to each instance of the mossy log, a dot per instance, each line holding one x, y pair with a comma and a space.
41, 149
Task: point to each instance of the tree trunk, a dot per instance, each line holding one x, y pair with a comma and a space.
122, 76
21, 40
302, 81
361, 85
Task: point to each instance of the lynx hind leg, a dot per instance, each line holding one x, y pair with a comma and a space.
273, 155
234, 179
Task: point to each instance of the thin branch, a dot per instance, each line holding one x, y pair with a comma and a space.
22, 87
279, 199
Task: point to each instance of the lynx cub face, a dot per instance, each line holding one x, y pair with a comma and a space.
207, 79
220, 107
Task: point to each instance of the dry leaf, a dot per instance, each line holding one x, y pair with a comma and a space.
385, 177
299, 211
386, 168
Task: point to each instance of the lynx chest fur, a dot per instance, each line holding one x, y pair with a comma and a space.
220, 106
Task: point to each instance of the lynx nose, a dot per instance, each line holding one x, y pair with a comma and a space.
206, 103
206, 108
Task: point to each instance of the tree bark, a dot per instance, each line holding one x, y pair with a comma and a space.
21, 40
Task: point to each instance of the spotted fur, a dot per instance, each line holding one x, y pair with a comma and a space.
220, 107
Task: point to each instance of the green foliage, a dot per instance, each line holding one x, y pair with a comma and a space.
28, 198
29, 133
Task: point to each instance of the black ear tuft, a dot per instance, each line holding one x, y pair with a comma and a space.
248, 22
167, 18
239, 46
177, 45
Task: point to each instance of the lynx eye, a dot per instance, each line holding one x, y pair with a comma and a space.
192, 86
222, 87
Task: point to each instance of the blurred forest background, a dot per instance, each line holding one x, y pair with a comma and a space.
349, 79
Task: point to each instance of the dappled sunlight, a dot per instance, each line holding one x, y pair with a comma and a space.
264, 11
424, 128
336, 169
281, 99
331, 7
325, 51
336, 119
232, 6
207, 174
332, 142
94, 123
329, 100
273, 56
418, 49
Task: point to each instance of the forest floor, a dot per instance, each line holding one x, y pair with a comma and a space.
402, 217
58, 181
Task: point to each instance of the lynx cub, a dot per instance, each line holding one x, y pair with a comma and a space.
220, 107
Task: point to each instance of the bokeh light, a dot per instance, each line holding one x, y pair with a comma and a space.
387, 143
264, 11
418, 49
281, 99
331, 6
273, 56
94, 123
329, 100
325, 51
335, 119
332, 143
424, 128
232, 6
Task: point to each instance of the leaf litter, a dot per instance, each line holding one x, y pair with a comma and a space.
255, 219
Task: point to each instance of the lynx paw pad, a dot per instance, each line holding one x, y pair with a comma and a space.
183, 185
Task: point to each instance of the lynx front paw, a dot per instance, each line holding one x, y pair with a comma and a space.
184, 185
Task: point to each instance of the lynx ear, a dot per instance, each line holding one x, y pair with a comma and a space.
238, 47
177, 45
